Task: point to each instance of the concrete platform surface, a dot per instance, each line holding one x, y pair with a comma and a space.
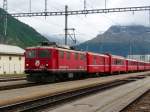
112, 100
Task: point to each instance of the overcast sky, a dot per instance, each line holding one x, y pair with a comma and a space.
87, 26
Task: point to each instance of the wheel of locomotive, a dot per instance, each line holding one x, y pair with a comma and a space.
49, 77
41, 77
32, 77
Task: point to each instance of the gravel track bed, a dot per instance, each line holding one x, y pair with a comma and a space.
140, 105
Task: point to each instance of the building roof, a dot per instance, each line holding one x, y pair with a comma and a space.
9, 49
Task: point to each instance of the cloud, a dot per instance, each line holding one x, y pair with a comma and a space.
87, 26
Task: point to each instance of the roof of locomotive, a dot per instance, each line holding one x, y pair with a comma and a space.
56, 48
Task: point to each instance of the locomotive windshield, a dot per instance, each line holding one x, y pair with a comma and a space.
44, 53
31, 54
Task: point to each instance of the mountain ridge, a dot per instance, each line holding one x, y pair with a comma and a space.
120, 40
18, 33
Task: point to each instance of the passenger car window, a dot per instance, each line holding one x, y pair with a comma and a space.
118, 62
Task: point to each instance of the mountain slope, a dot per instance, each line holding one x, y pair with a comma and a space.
18, 33
121, 40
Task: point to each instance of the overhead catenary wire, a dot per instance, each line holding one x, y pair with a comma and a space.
93, 11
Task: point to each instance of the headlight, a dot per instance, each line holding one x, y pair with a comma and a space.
27, 65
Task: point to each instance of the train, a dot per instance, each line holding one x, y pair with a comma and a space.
50, 62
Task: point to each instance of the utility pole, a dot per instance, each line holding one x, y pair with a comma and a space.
45, 8
84, 4
66, 24
30, 6
130, 48
105, 4
5, 17
45, 5
149, 17
67, 29
73, 35
5, 4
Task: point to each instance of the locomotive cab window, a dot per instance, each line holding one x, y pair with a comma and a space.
44, 53
31, 54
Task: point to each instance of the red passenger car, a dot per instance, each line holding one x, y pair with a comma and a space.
52, 63
97, 63
141, 66
147, 66
117, 64
131, 65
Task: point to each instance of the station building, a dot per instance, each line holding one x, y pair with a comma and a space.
11, 59
145, 58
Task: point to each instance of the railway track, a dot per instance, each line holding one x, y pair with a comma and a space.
67, 93
16, 84
50, 100
6, 79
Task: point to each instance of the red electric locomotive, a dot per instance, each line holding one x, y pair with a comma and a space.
50, 63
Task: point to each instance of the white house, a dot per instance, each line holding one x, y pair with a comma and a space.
11, 59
